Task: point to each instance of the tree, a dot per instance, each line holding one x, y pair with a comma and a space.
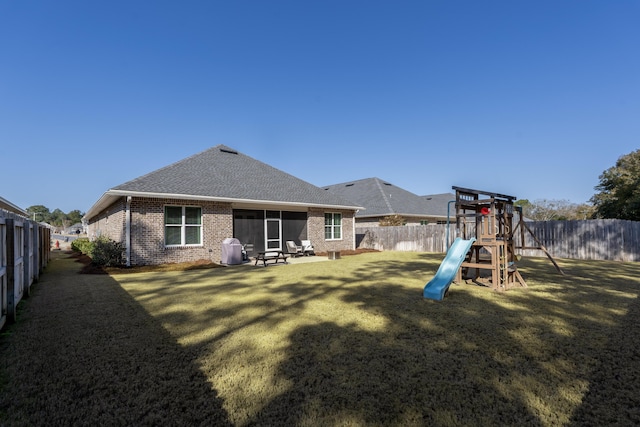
548, 210
525, 204
75, 216
618, 194
392, 220
583, 211
56, 218
39, 213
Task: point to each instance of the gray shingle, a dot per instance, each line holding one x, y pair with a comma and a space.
223, 172
437, 204
380, 198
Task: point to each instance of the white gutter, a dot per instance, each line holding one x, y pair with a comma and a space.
108, 198
127, 237
7, 205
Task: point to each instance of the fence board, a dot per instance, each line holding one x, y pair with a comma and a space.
24, 251
598, 239
4, 279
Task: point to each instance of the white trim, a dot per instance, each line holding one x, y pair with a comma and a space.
7, 205
266, 230
183, 227
333, 226
111, 195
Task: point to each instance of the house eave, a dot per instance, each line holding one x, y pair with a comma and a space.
8, 206
406, 215
111, 196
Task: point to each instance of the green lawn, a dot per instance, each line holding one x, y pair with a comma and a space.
352, 342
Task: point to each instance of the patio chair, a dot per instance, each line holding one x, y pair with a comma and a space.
293, 249
307, 247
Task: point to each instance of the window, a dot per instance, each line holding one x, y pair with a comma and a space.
332, 226
182, 225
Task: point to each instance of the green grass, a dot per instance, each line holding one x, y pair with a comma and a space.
352, 342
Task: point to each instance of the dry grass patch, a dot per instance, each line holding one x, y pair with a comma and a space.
352, 342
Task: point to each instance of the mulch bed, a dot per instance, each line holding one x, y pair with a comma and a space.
90, 268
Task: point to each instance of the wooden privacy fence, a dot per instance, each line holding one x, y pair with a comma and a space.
408, 238
24, 252
598, 239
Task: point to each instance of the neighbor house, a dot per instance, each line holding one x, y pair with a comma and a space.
184, 211
382, 199
10, 207
440, 206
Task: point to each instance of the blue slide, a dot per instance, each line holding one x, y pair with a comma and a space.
437, 287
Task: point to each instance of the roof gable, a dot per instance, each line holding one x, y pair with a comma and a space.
223, 173
438, 204
380, 198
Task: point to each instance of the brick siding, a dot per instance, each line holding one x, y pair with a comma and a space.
110, 222
147, 225
315, 230
147, 230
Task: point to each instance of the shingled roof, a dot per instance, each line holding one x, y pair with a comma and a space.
221, 173
437, 204
380, 198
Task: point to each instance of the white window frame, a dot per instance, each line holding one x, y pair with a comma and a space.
333, 226
278, 221
183, 226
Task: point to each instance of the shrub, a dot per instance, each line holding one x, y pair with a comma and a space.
107, 252
102, 251
82, 245
392, 220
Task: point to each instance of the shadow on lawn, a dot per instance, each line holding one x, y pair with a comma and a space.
467, 360
613, 390
525, 357
86, 353
421, 369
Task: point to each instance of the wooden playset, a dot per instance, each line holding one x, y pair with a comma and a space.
489, 218
484, 248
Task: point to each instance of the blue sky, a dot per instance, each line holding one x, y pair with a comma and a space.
533, 99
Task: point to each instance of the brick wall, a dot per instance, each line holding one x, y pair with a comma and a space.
109, 222
147, 230
315, 231
147, 225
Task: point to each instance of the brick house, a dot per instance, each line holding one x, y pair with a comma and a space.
184, 211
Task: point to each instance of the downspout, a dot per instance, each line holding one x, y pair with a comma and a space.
127, 231
447, 232
354, 230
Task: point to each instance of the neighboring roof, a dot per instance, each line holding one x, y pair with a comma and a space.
8, 206
224, 174
381, 198
437, 204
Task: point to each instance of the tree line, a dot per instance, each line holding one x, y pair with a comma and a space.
57, 218
617, 196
